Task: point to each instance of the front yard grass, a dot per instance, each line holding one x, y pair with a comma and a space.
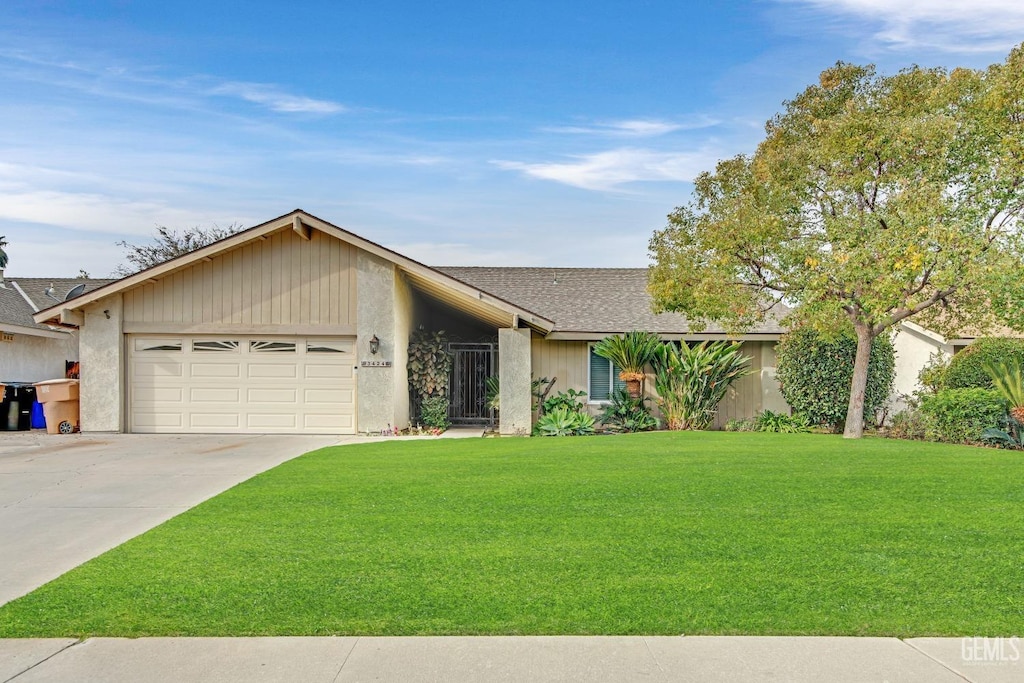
665, 533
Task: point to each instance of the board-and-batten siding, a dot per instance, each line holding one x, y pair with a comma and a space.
569, 362
281, 280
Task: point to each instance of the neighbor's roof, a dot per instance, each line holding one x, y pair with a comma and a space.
589, 300
21, 297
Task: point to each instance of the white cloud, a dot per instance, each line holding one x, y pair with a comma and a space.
947, 25
613, 168
98, 213
636, 128
275, 99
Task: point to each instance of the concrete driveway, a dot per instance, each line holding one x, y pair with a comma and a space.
67, 499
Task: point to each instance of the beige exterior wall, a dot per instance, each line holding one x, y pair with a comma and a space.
283, 280
568, 361
32, 359
914, 346
101, 348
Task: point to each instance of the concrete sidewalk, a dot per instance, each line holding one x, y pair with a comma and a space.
527, 658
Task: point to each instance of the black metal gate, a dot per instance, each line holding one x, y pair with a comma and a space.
472, 364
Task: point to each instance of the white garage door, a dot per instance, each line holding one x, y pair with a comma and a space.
208, 384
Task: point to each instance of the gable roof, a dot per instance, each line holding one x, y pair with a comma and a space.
591, 302
430, 279
21, 297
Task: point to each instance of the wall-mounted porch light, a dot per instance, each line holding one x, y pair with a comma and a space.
374, 345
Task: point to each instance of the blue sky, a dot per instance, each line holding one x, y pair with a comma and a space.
525, 133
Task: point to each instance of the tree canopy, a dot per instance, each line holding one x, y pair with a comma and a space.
169, 243
871, 199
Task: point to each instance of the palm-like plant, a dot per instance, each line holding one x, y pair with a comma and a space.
631, 353
1008, 379
692, 381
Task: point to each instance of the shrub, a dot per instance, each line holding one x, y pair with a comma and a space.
692, 381
815, 374
746, 424
769, 421
961, 415
908, 424
564, 421
628, 414
967, 368
564, 399
434, 412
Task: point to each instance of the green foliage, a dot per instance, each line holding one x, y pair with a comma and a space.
815, 373
768, 421
430, 363
871, 200
745, 424
628, 414
931, 376
1010, 437
492, 393
564, 421
967, 368
1008, 380
571, 400
631, 352
434, 412
961, 415
692, 381
908, 424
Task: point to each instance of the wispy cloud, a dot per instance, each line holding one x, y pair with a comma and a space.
945, 25
635, 128
275, 99
614, 168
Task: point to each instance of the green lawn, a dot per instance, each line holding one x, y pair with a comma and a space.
665, 533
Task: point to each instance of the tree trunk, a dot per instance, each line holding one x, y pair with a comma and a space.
855, 413
634, 387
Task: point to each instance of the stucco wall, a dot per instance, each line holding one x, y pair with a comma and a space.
515, 374
404, 317
32, 359
101, 348
913, 348
375, 316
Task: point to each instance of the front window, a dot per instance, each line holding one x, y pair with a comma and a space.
604, 379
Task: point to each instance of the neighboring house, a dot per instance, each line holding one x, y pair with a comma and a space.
915, 346
299, 326
30, 352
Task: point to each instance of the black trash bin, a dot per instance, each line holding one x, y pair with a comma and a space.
16, 408
26, 397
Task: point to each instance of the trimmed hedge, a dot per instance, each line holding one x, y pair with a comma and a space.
967, 369
960, 415
815, 374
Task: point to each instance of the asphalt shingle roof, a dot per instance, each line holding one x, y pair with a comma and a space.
601, 300
14, 310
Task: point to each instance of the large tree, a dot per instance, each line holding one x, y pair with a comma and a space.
169, 243
871, 200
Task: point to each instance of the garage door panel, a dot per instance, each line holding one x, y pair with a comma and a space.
273, 395
272, 370
160, 394
330, 372
329, 422
158, 420
157, 369
257, 421
210, 384
214, 420
219, 370
215, 395
329, 396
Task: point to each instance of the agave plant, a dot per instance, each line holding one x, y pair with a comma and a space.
691, 382
630, 353
1008, 379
